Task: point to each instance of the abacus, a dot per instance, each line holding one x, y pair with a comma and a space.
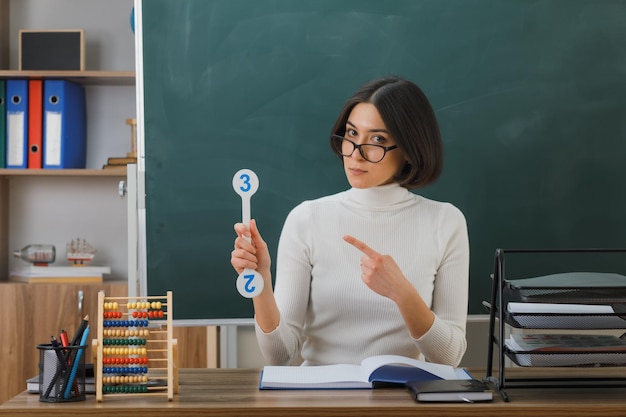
134, 347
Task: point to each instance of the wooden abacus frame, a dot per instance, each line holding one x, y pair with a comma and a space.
165, 326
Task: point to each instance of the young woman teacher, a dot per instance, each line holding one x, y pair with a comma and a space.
375, 269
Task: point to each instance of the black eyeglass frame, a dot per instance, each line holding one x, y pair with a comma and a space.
360, 148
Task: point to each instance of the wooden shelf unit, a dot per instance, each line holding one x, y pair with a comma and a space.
32, 312
113, 172
97, 78
80, 77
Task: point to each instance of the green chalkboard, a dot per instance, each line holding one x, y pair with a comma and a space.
530, 95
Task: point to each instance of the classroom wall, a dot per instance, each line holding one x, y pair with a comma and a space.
109, 38
109, 46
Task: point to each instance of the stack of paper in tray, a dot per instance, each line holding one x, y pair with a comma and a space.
566, 316
59, 274
566, 349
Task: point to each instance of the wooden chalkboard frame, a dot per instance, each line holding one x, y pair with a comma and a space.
529, 96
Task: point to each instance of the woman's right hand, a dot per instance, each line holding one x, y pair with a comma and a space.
252, 254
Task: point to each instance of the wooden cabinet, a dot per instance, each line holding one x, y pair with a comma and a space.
31, 314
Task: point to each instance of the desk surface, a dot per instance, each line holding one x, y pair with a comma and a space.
234, 392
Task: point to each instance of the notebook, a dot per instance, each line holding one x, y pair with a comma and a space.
450, 390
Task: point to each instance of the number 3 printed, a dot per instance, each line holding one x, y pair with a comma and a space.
245, 183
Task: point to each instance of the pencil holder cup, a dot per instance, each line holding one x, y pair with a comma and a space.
61, 373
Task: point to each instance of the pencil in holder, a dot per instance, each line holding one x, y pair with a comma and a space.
61, 373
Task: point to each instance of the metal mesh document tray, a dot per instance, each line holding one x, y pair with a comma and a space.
542, 321
567, 300
571, 287
567, 359
566, 349
566, 316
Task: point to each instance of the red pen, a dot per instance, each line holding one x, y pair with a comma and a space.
65, 342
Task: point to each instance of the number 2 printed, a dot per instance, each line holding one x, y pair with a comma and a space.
248, 285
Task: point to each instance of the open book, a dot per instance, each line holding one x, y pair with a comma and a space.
382, 369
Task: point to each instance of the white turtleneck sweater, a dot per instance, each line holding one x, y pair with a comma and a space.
328, 315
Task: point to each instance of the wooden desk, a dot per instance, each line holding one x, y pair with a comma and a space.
234, 392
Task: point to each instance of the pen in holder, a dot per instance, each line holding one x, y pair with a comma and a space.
61, 368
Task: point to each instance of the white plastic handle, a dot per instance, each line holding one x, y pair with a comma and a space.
246, 183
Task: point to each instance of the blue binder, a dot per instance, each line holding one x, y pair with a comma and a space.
3, 124
64, 125
17, 123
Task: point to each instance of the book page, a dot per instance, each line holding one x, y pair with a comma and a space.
308, 375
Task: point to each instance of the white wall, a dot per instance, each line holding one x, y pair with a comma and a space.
108, 34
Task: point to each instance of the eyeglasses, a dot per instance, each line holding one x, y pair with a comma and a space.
371, 153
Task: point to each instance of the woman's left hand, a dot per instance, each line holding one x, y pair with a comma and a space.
380, 272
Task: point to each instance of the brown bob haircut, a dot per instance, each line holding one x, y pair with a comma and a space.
410, 119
